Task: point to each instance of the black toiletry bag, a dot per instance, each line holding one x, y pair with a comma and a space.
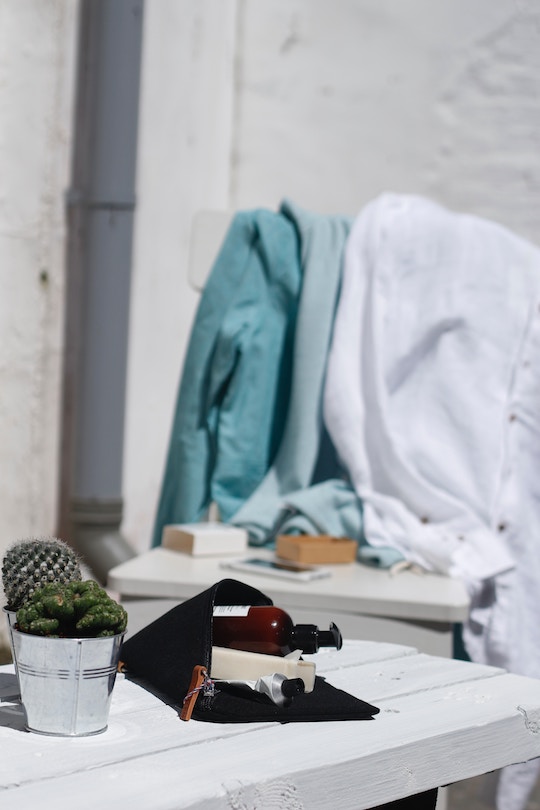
164, 655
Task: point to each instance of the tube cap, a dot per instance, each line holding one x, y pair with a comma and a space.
292, 687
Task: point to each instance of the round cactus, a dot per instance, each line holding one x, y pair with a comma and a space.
73, 610
30, 564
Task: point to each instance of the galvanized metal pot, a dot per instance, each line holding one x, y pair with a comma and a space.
11, 616
66, 683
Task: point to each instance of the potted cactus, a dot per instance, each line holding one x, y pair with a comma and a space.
71, 610
66, 636
30, 564
67, 642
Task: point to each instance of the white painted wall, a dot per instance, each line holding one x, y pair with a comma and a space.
243, 102
184, 165
37, 52
338, 101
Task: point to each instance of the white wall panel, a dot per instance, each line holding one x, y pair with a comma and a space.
37, 45
184, 165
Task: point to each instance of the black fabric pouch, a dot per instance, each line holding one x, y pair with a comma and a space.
162, 657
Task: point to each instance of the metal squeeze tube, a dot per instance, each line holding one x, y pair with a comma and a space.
268, 629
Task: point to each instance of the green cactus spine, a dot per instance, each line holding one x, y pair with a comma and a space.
73, 610
30, 564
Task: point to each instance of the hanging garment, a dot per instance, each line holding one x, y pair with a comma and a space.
304, 457
431, 401
234, 390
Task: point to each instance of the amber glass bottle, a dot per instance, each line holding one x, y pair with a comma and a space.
269, 630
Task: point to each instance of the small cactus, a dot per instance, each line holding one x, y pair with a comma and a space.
30, 564
72, 610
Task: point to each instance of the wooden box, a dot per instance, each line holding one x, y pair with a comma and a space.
319, 548
204, 539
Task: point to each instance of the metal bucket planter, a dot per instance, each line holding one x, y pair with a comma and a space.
66, 683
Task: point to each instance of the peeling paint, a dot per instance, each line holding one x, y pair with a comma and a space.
276, 795
531, 715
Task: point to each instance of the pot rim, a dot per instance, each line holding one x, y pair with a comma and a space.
69, 638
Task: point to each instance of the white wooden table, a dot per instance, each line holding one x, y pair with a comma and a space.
441, 721
365, 602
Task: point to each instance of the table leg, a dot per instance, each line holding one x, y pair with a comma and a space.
421, 801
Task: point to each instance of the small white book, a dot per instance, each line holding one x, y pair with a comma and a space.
204, 539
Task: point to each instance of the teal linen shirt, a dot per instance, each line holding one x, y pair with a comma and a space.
234, 390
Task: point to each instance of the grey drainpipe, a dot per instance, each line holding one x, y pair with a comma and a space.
100, 207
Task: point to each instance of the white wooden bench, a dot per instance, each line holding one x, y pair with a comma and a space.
440, 721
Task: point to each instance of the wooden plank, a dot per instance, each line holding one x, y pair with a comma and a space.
394, 674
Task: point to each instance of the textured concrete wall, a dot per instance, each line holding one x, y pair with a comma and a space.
36, 81
337, 102
329, 104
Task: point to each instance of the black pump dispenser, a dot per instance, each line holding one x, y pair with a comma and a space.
308, 637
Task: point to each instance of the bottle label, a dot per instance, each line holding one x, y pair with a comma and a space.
231, 610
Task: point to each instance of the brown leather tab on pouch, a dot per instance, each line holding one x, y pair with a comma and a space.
197, 680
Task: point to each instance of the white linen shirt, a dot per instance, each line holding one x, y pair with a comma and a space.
432, 400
